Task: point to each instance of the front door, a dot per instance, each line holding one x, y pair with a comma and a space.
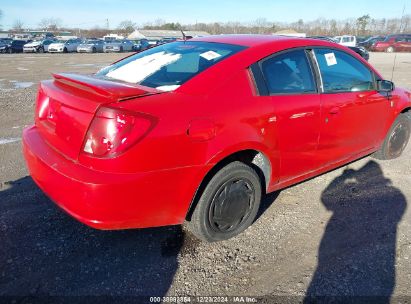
353, 111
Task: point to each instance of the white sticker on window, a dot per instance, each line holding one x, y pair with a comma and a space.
210, 55
330, 58
168, 88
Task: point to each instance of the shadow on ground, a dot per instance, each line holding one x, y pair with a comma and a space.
45, 252
357, 252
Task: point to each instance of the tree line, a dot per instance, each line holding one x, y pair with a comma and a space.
361, 26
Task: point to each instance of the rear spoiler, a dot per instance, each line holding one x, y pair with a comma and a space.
112, 90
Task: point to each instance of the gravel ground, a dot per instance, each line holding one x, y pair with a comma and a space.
345, 233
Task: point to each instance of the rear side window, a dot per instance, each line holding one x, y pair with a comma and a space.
168, 66
341, 72
288, 73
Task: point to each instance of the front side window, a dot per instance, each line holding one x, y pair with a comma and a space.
341, 72
168, 66
288, 73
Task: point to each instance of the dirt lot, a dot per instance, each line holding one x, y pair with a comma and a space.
343, 233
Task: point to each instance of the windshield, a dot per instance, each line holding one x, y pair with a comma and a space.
168, 66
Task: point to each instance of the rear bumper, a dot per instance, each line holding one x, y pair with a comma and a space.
110, 200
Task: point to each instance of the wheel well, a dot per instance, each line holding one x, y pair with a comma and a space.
407, 111
255, 159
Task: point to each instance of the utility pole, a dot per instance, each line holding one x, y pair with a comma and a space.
402, 19
107, 24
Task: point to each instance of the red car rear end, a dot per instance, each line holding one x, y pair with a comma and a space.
393, 43
199, 130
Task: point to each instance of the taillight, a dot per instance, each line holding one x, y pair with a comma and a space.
113, 131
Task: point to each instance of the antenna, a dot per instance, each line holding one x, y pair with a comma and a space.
184, 35
395, 56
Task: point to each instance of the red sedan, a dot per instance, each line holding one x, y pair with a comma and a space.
198, 131
393, 43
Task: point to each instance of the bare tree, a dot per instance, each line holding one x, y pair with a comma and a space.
126, 26
50, 24
362, 23
17, 25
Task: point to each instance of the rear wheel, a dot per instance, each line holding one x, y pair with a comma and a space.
228, 204
390, 49
65, 50
396, 139
40, 50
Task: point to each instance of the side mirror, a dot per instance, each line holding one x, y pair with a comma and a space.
385, 86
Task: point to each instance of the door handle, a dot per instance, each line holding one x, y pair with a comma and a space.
334, 110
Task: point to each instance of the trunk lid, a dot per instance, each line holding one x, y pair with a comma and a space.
66, 106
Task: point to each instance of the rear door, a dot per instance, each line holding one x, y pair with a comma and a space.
289, 79
353, 111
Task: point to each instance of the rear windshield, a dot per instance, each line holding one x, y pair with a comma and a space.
168, 66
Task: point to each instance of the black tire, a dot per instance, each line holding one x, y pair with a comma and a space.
65, 50
121, 49
396, 139
228, 205
94, 50
40, 50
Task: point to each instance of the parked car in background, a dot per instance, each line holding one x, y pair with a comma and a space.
358, 49
367, 44
393, 43
64, 46
91, 46
178, 133
124, 45
15, 46
3, 46
362, 38
6, 40
166, 40
152, 42
346, 40
141, 45
38, 46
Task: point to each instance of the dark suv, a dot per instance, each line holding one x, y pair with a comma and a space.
394, 43
141, 45
15, 46
367, 44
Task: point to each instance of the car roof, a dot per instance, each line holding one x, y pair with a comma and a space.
261, 40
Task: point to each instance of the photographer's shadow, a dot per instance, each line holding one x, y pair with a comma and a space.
357, 252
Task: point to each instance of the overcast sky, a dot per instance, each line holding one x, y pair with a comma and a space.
87, 13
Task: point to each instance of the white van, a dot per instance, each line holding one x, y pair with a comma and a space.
346, 40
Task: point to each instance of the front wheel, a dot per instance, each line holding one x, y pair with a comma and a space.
396, 139
40, 50
228, 204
